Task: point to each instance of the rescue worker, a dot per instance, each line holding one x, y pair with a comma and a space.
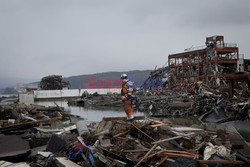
127, 96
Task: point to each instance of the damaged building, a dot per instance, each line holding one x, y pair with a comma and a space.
212, 63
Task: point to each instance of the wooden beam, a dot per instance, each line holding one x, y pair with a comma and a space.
142, 132
146, 155
121, 118
120, 134
169, 139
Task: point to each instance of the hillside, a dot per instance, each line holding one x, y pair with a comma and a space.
80, 81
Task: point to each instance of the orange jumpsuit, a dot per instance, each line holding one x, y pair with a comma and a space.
127, 102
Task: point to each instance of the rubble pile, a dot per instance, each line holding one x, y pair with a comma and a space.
47, 136
158, 143
157, 78
16, 116
198, 99
209, 105
27, 129
53, 82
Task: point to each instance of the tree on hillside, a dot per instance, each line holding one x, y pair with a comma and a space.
53, 82
10, 90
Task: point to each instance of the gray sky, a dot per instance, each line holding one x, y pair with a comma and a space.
71, 37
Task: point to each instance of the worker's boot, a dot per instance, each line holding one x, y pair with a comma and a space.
130, 118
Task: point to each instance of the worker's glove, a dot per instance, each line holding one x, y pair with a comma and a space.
123, 98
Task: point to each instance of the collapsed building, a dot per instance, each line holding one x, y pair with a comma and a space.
216, 63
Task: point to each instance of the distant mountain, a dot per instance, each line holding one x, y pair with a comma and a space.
80, 81
2, 90
77, 82
13, 82
10, 90
8, 84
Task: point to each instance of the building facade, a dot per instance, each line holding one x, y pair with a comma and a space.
211, 63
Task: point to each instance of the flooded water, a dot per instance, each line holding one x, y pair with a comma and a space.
90, 114
96, 115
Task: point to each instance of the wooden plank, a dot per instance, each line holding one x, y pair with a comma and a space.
142, 132
157, 125
169, 139
181, 152
157, 121
58, 107
186, 129
146, 134
121, 118
146, 155
177, 155
135, 151
160, 122
159, 152
120, 134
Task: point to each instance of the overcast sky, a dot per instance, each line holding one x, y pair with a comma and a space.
71, 37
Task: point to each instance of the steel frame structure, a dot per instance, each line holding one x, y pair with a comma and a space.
209, 64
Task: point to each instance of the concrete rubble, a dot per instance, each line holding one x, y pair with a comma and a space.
48, 136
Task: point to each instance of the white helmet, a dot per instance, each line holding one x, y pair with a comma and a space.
124, 76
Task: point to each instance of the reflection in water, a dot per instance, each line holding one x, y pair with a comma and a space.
91, 114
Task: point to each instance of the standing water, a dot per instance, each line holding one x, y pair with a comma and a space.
90, 114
